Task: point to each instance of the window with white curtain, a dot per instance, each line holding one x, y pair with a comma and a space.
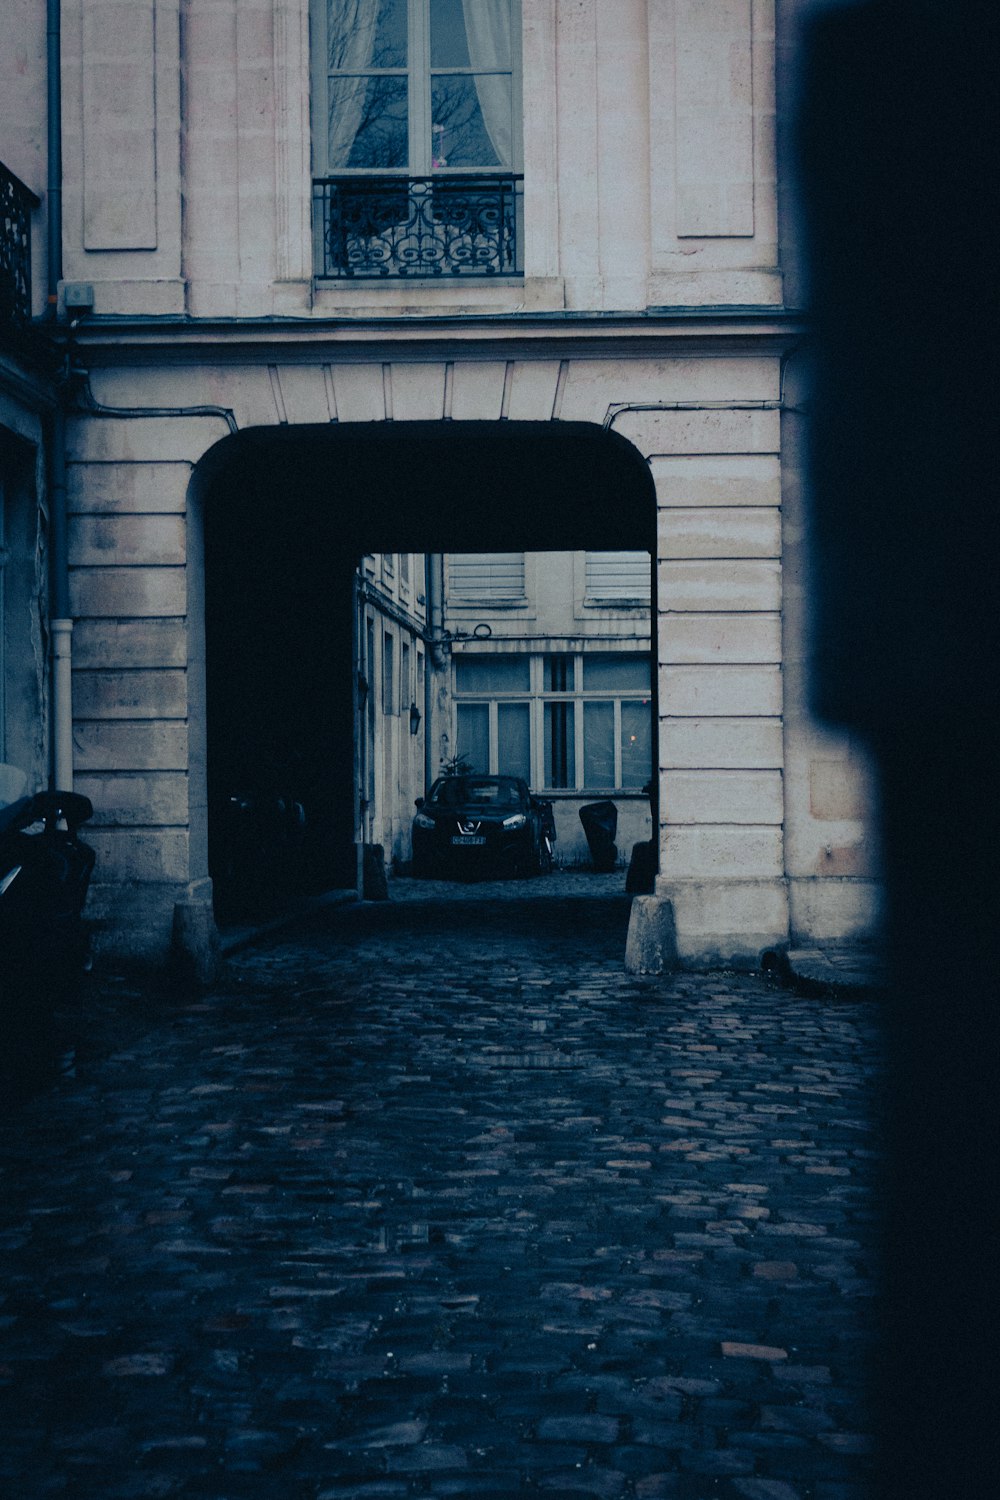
416, 86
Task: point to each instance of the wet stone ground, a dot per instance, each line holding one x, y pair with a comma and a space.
429, 1199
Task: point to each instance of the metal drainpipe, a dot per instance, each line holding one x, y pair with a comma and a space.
435, 616
53, 45
60, 624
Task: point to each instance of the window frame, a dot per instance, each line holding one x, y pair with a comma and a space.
593, 599
457, 600
538, 697
419, 153
389, 695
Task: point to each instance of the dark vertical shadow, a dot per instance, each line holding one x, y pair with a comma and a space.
896, 123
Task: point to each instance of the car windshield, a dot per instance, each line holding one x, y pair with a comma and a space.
461, 791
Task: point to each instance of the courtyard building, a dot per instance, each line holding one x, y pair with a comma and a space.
341, 281
553, 681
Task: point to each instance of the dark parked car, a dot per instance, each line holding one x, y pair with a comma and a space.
482, 825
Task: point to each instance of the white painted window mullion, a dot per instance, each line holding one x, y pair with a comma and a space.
578, 737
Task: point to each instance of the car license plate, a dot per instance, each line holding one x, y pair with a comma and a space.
469, 838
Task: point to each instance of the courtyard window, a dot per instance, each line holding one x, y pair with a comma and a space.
564, 721
405, 678
486, 577
388, 674
617, 578
417, 137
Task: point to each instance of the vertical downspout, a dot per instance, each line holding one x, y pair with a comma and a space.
435, 619
60, 624
53, 47
361, 751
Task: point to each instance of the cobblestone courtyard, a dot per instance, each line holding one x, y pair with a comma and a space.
429, 1199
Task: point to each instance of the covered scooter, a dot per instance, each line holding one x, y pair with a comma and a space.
45, 870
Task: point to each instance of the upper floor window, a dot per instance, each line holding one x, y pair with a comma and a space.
566, 721
486, 577
417, 86
617, 578
417, 136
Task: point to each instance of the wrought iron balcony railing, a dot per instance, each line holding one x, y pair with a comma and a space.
391, 227
16, 205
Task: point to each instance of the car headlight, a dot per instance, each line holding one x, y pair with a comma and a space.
517, 821
423, 821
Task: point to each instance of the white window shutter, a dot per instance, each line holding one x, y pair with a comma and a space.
485, 577
618, 575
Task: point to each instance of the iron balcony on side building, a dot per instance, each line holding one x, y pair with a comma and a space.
17, 204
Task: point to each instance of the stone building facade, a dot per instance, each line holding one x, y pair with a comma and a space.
552, 680
593, 346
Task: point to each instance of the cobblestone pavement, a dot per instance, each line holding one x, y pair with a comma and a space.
428, 1199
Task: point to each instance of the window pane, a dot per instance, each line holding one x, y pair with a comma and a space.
599, 744
471, 121
637, 761
405, 685
470, 36
491, 674
560, 745
367, 123
388, 673
474, 735
365, 34
514, 754
617, 673
559, 671
449, 44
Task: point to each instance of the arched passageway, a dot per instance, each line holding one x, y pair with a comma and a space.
288, 514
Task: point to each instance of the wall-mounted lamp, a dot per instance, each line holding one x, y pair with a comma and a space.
414, 718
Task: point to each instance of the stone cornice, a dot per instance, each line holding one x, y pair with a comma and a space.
666, 332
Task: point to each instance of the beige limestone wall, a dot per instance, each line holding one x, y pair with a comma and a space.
649, 160
133, 735
709, 430
23, 146
717, 478
121, 153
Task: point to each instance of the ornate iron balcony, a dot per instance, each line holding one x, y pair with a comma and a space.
378, 228
16, 205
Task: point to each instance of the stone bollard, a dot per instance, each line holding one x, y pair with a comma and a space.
375, 887
651, 946
195, 948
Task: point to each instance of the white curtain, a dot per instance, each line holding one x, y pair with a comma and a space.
487, 29
351, 26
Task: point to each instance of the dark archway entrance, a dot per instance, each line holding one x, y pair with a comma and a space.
289, 512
